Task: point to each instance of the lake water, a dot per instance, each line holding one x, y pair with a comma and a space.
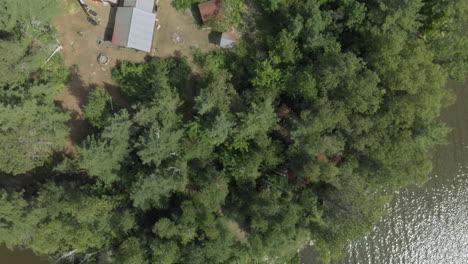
426, 225
19, 257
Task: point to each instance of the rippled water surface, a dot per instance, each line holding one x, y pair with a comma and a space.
427, 224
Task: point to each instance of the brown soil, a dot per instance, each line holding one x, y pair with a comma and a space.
185, 23
80, 51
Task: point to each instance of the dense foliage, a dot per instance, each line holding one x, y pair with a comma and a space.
99, 107
32, 128
297, 134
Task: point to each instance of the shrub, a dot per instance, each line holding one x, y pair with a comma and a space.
98, 107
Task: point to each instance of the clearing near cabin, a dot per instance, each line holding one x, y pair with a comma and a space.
83, 42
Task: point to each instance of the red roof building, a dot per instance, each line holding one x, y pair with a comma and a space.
210, 8
227, 40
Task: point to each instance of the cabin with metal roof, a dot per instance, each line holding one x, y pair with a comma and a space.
134, 25
210, 9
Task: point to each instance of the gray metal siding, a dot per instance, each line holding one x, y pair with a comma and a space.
146, 5
123, 20
129, 2
227, 41
141, 30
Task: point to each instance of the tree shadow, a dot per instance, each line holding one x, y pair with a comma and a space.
118, 100
80, 128
77, 86
7, 180
177, 54
28, 183
5, 35
147, 58
196, 14
214, 37
72, 100
189, 94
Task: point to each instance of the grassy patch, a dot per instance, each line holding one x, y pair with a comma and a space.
71, 6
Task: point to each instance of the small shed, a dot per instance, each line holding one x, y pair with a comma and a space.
227, 40
210, 8
134, 28
146, 5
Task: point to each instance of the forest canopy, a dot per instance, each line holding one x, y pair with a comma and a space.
297, 134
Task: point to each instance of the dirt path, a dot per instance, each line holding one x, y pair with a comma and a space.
185, 23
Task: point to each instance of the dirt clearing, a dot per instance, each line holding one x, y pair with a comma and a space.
183, 23
82, 43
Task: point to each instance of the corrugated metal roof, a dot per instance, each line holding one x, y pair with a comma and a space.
147, 5
129, 3
123, 20
227, 40
134, 28
141, 30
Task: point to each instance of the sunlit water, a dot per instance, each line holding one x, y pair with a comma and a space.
427, 224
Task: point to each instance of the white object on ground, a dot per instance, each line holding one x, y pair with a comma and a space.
59, 48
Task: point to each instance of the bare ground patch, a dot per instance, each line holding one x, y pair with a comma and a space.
184, 23
238, 232
82, 43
